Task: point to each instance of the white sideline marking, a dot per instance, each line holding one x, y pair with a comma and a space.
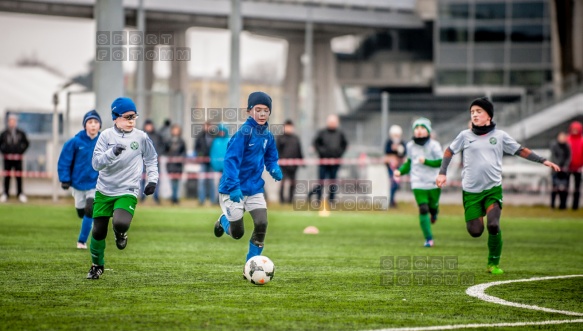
475, 326
477, 291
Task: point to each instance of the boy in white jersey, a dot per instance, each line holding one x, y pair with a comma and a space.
483, 147
423, 162
119, 156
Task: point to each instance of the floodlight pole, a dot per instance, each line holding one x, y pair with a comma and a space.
235, 25
55, 173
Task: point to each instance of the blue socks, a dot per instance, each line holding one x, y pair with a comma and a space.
225, 224
86, 225
254, 250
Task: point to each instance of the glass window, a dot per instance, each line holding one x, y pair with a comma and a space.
452, 77
453, 34
454, 10
490, 34
493, 54
528, 33
532, 55
453, 55
489, 77
490, 11
529, 10
528, 77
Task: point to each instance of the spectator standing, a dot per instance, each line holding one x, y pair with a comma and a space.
13, 144
288, 147
330, 143
219, 149
176, 151
575, 140
561, 155
395, 151
202, 147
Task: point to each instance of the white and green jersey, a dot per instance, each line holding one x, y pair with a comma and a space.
119, 175
482, 158
423, 175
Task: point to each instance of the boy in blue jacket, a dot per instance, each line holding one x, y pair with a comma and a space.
251, 150
75, 170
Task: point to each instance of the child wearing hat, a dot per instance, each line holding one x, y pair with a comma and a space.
74, 169
251, 150
483, 147
423, 162
119, 156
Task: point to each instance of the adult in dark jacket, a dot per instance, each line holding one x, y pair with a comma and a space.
13, 144
561, 155
288, 147
160, 148
330, 143
175, 149
202, 146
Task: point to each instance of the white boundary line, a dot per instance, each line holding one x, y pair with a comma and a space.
478, 291
475, 326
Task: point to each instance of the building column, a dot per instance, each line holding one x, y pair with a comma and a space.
108, 81
325, 82
578, 36
292, 80
179, 85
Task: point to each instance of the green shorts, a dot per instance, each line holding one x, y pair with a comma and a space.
430, 197
475, 204
103, 206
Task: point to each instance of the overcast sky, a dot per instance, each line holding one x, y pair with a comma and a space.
68, 44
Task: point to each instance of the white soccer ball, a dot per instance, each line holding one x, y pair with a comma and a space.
259, 270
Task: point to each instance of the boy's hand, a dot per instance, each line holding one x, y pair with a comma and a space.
65, 185
397, 173
150, 188
421, 160
236, 195
440, 181
118, 148
277, 174
552, 166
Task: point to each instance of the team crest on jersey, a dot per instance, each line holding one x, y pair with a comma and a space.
493, 141
134, 145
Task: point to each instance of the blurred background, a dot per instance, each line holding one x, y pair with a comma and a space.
374, 63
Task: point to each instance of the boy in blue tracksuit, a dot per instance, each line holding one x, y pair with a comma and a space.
251, 150
75, 170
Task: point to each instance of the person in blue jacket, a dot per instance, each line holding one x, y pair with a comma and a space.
219, 148
75, 171
251, 150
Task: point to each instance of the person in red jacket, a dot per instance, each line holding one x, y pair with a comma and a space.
575, 141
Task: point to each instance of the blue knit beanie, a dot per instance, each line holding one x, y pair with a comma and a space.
92, 114
259, 98
121, 106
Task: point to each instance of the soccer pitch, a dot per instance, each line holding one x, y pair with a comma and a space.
175, 275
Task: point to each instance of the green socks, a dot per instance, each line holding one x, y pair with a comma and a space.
97, 248
425, 222
494, 248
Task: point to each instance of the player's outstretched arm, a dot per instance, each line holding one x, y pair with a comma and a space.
528, 154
